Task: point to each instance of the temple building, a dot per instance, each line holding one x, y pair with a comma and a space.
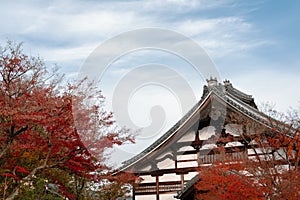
168, 167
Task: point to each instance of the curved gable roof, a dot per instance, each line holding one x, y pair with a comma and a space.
227, 93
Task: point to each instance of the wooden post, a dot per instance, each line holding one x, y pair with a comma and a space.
157, 188
198, 158
133, 192
182, 181
175, 158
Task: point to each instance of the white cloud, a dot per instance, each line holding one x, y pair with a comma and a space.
222, 37
182, 6
228, 24
271, 86
66, 32
68, 27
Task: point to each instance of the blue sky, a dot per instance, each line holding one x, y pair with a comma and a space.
255, 44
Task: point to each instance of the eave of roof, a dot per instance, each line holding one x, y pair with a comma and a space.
164, 137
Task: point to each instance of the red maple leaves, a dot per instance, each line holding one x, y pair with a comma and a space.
38, 128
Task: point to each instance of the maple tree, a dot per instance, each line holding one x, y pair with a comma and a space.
271, 169
52, 142
275, 150
223, 182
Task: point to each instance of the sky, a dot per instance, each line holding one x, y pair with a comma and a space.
254, 44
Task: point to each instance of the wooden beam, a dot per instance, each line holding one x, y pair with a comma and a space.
157, 187
168, 171
211, 151
187, 160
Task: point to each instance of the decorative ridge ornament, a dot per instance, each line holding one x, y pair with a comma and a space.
212, 82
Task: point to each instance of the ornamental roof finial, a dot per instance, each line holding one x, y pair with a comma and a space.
212, 81
227, 82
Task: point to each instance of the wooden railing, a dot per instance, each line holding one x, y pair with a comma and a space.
164, 187
234, 156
